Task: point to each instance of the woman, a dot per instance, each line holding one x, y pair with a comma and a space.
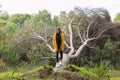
58, 43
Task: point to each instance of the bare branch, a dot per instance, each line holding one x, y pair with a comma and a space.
67, 45
79, 30
91, 47
65, 41
99, 35
102, 32
88, 28
80, 36
79, 50
87, 34
50, 47
45, 41
71, 37
65, 33
84, 35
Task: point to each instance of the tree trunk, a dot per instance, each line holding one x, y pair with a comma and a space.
67, 57
65, 61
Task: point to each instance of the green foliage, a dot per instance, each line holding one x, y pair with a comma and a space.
43, 18
9, 75
3, 19
2, 65
56, 21
81, 69
12, 27
2, 23
93, 57
18, 74
110, 51
63, 18
114, 73
8, 54
4, 16
19, 45
19, 19
115, 78
100, 71
7, 49
117, 17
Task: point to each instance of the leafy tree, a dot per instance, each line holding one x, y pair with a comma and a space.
4, 16
63, 18
43, 18
12, 27
19, 19
81, 27
56, 21
27, 45
3, 19
2, 23
117, 17
109, 52
7, 50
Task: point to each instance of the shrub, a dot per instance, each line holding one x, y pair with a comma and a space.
2, 65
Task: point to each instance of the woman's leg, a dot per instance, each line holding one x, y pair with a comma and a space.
57, 54
61, 55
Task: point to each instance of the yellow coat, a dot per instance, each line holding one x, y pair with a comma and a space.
55, 44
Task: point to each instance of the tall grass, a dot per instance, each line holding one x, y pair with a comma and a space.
100, 71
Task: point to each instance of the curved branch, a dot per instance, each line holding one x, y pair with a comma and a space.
88, 28
99, 35
71, 37
67, 44
79, 50
79, 30
66, 33
45, 41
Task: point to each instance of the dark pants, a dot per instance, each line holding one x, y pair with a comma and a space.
57, 55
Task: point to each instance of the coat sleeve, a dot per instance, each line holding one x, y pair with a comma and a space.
63, 39
54, 39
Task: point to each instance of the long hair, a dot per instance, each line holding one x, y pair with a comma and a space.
59, 30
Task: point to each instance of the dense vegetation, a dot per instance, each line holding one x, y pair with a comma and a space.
20, 50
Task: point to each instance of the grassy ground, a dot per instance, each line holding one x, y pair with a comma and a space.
46, 73
14, 74
115, 75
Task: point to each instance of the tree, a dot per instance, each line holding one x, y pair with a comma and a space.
19, 19
56, 21
3, 19
43, 18
81, 28
4, 16
2, 23
63, 18
91, 24
28, 45
117, 17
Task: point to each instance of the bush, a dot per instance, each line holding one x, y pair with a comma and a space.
2, 65
93, 56
9, 55
110, 52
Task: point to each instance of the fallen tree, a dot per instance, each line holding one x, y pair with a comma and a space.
90, 27
81, 28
